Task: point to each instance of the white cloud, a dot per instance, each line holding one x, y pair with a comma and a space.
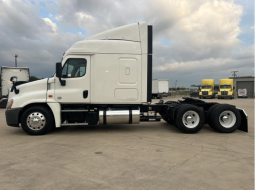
202, 34
51, 24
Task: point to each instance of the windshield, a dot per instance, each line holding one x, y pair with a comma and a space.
225, 86
206, 87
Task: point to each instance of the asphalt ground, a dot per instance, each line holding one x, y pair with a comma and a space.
151, 155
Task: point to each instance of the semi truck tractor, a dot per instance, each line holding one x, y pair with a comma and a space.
226, 89
160, 88
107, 79
21, 75
207, 88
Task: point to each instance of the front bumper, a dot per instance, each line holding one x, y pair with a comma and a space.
12, 117
206, 96
225, 96
242, 96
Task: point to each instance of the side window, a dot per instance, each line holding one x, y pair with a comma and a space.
74, 67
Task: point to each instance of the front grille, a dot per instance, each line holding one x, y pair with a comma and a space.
224, 92
204, 92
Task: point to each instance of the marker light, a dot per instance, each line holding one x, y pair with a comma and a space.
9, 104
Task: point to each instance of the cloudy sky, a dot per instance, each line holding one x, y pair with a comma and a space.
192, 39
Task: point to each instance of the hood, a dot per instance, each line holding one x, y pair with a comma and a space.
206, 89
29, 88
225, 89
34, 83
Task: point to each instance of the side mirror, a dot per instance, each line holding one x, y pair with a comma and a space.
58, 70
59, 73
13, 79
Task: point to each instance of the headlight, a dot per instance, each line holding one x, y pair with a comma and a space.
9, 104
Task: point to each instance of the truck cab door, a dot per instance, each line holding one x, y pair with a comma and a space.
76, 73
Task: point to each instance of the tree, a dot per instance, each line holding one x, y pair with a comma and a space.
33, 78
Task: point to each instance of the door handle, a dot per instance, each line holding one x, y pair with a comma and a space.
85, 94
127, 71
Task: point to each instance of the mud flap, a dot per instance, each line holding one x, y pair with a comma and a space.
244, 121
3, 102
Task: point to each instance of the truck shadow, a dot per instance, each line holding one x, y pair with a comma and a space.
116, 128
123, 128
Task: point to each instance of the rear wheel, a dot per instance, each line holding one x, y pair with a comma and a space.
225, 118
209, 113
37, 120
189, 119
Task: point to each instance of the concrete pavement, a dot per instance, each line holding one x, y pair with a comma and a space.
145, 156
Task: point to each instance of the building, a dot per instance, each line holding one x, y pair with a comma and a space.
246, 82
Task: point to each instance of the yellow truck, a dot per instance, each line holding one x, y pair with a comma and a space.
207, 88
226, 89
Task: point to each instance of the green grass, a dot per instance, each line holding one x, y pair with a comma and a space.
180, 93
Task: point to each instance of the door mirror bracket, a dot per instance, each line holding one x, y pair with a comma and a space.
59, 73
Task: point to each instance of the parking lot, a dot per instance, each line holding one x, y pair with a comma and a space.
146, 156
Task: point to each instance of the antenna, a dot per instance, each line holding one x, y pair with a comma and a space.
16, 57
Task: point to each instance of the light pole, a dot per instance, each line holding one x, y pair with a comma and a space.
16, 57
234, 73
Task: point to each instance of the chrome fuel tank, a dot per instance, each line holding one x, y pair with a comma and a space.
119, 116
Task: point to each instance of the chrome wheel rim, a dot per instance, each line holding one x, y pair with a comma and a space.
36, 121
227, 119
190, 119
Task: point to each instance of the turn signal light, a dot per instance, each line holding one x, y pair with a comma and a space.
9, 104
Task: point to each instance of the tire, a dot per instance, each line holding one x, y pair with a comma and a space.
209, 113
41, 127
232, 122
175, 115
195, 124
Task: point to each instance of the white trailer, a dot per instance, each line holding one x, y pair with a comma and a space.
160, 88
21, 74
107, 79
242, 93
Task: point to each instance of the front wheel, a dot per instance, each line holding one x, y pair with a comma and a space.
189, 119
37, 120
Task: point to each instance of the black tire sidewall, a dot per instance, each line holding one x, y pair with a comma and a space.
48, 125
216, 114
209, 113
182, 110
175, 115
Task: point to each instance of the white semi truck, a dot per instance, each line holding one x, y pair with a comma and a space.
107, 79
22, 76
160, 88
